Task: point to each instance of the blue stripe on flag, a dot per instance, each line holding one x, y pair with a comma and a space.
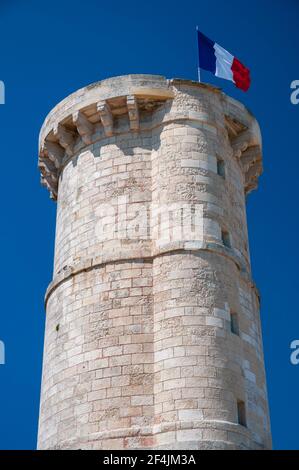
206, 53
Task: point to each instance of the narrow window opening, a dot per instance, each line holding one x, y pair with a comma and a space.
234, 323
220, 167
225, 238
241, 413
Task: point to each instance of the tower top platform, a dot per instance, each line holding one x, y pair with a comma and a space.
98, 112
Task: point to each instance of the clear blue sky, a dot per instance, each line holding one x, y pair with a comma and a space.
50, 49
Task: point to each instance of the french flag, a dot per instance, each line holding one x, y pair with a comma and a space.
221, 63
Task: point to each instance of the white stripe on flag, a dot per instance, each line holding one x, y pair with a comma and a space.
224, 61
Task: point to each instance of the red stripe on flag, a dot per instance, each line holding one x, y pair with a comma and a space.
241, 75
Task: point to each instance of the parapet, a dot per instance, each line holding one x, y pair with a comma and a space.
94, 112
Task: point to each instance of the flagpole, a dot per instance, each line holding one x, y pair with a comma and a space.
198, 67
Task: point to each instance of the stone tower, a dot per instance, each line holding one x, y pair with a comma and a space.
153, 336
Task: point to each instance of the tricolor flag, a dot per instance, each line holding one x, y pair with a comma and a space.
221, 63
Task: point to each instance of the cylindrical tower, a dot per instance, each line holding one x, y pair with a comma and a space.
153, 335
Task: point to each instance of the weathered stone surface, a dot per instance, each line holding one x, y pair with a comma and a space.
139, 351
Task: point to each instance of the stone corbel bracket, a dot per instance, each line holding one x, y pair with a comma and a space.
133, 112
106, 117
50, 160
84, 127
246, 142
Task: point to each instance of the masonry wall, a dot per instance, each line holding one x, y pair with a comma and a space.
139, 351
